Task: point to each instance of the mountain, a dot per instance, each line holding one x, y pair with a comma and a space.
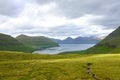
68, 40
78, 40
111, 44
37, 42
9, 43
86, 40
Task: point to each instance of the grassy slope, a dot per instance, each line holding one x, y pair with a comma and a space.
22, 66
111, 44
9, 43
37, 42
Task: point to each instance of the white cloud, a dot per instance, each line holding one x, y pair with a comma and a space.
86, 20
46, 19
97, 30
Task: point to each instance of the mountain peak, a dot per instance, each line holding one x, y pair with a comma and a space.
78, 40
68, 38
22, 35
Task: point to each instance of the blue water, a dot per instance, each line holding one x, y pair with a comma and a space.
64, 47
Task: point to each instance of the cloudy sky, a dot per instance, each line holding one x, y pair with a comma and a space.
59, 18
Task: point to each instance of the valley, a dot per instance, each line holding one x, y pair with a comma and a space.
59, 40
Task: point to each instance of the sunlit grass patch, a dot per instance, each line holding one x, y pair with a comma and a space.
22, 66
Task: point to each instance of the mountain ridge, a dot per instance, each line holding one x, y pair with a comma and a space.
78, 40
8, 43
37, 42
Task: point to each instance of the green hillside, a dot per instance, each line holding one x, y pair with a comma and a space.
8, 43
37, 42
110, 44
22, 66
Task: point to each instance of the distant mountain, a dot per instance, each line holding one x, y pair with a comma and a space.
86, 40
78, 40
37, 42
9, 43
68, 40
108, 45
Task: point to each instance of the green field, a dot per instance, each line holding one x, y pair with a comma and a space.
23, 66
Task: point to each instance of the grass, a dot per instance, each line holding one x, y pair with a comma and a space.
111, 44
22, 66
11, 44
36, 42
24, 43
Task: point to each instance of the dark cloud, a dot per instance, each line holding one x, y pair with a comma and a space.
11, 7
77, 8
109, 9
43, 1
